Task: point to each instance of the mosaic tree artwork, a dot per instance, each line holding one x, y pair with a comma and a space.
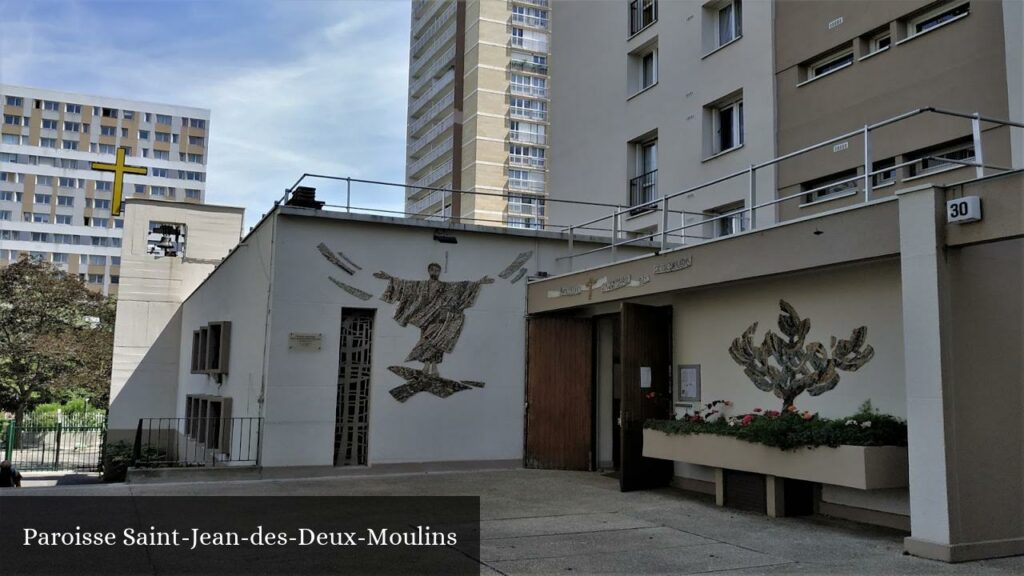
437, 308
786, 367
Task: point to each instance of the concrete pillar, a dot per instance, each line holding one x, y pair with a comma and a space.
719, 487
775, 496
926, 324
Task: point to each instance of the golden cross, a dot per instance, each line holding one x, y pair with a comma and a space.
119, 169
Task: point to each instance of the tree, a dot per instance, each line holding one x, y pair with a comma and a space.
56, 337
797, 368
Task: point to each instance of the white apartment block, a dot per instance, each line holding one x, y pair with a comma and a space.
478, 111
53, 206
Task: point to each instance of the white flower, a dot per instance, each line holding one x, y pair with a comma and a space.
732, 422
865, 424
851, 422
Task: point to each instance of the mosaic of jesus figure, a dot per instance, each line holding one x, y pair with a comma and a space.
434, 306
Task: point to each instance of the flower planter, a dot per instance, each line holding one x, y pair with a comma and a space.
862, 467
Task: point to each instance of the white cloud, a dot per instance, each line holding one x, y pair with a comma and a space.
322, 92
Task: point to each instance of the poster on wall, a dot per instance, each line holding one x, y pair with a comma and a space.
645, 376
689, 383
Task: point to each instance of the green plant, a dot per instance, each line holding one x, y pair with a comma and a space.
791, 429
119, 456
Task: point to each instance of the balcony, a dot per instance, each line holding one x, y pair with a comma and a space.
432, 177
541, 3
529, 90
442, 148
428, 96
531, 21
531, 44
419, 62
527, 66
527, 137
420, 206
528, 113
532, 210
423, 9
528, 161
442, 62
536, 186
426, 33
418, 124
642, 189
441, 127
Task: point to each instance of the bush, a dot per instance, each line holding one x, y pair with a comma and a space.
790, 430
118, 457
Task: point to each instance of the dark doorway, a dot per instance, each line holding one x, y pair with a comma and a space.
352, 418
646, 377
607, 392
559, 404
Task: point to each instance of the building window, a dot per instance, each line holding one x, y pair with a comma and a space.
726, 125
100, 222
163, 119
158, 190
51, 105
108, 131
524, 85
525, 209
72, 127
731, 219
69, 145
163, 136
526, 156
48, 142
192, 193
939, 158
877, 42
832, 62
198, 158
73, 108
95, 260
526, 132
43, 198
643, 186
128, 115
525, 180
15, 101
728, 20
5, 214
101, 204
159, 172
63, 218
161, 155
534, 17
832, 186
945, 13
49, 124
60, 258
166, 239
197, 123
44, 180
643, 69
883, 172
642, 13
528, 109
196, 141
40, 218
65, 200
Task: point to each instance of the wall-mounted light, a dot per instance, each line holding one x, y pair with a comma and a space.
445, 238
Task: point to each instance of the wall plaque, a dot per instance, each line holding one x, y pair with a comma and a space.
304, 342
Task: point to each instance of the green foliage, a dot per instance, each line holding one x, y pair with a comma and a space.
56, 337
118, 457
791, 430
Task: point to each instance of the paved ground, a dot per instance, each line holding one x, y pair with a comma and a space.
549, 522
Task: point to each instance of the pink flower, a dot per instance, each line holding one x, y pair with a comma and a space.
758, 410
772, 413
747, 420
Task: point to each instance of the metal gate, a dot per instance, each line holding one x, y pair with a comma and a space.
52, 447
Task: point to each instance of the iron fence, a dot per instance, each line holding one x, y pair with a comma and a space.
197, 441
53, 447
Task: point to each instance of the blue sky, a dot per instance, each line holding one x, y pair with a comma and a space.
293, 86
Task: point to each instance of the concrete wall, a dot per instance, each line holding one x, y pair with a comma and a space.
279, 263
961, 66
147, 346
596, 114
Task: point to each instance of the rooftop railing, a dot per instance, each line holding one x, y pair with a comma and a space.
749, 211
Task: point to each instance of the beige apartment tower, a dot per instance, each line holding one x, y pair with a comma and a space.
54, 207
478, 111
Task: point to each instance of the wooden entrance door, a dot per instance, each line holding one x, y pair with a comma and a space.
646, 364
559, 380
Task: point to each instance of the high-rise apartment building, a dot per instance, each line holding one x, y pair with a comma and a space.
478, 111
656, 98
53, 206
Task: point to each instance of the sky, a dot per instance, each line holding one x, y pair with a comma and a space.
293, 86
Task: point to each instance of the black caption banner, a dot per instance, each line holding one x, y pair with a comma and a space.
380, 535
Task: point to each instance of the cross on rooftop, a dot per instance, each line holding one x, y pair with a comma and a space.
119, 168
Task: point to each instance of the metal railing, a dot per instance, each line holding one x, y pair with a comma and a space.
426, 33
431, 135
526, 137
56, 446
444, 103
528, 161
528, 66
197, 441
531, 44
529, 20
428, 96
442, 62
529, 90
527, 185
751, 207
528, 113
438, 150
642, 190
418, 62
